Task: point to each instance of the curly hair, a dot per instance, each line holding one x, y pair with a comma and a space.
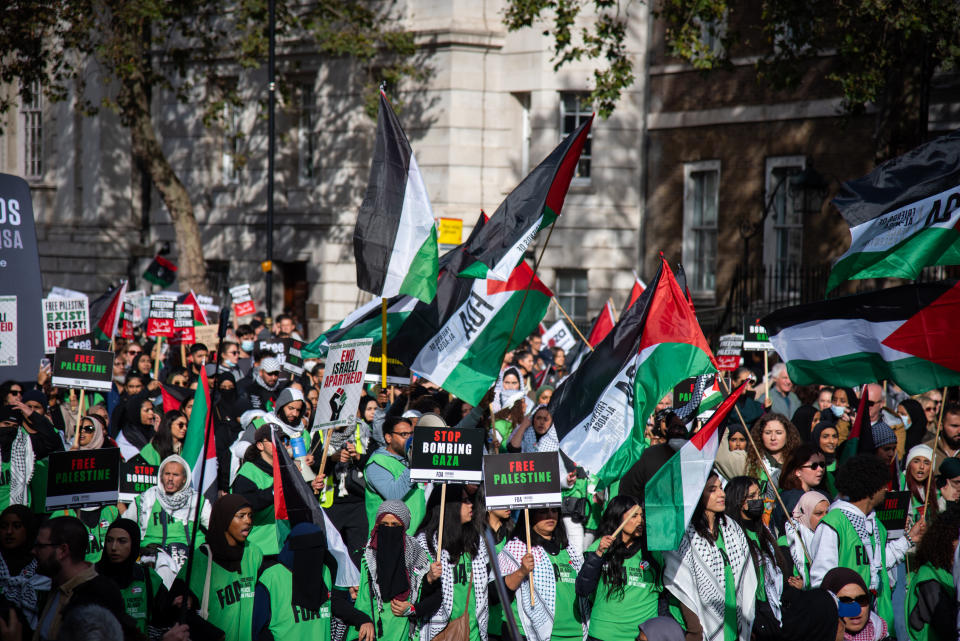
754, 468
936, 546
861, 477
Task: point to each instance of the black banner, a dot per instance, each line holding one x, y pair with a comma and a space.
84, 341
81, 478
893, 513
447, 455
136, 477
517, 481
275, 347
83, 369
293, 356
21, 309
755, 338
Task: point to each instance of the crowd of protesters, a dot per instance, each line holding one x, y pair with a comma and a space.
785, 542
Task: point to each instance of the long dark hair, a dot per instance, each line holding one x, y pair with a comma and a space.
936, 546
699, 518
798, 458
737, 490
163, 439
559, 534
613, 572
459, 537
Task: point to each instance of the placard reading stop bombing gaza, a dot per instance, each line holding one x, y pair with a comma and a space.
342, 384
518, 481
447, 455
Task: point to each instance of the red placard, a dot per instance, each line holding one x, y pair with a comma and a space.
245, 308
728, 363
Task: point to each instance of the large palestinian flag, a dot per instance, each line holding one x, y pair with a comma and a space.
671, 496
464, 355
534, 204
905, 334
107, 310
904, 215
599, 411
200, 429
395, 240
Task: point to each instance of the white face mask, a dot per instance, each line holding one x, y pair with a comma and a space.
837, 410
247, 346
907, 421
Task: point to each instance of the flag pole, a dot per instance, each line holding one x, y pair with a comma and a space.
526, 520
383, 345
613, 308
572, 324
156, 359
788, 515
443, 503
766, 382
533, 274
936, 444
76, 431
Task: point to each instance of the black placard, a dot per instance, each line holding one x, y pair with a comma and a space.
136, 477
161, 318
517, 481
88, 369
293, 356
275, 347
893, 513
755, 338
447, 455
397, 372
82, 341
683, 393
81, 478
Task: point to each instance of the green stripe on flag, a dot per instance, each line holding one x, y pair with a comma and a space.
663, 368
914, 375
196, 428
906, 259
421, 280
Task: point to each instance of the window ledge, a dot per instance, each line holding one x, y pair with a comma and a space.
586, 187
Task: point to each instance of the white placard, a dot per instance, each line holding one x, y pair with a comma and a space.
62, 319
559, 335
8, 331
342, 384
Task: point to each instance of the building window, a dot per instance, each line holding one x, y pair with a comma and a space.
525, 131
575, 108
307, 133
32, 110
783, 228
701, 191
571, 292
230, 158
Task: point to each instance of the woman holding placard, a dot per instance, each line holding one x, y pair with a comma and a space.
620, 577
543, 577
450, 527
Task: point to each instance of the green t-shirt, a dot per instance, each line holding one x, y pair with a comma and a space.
139, 595
289, 622
231, 593
496, 617
566, 610
387, 626
462, 592
615, 615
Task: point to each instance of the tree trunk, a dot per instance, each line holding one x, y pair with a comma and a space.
135, 108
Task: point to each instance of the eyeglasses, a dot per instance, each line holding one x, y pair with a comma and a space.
134, 351
404, 434
816, 465
863, 600
233, 352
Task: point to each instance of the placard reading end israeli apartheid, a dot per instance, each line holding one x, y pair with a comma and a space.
518, 481
136, 477
447, 455
342, 384
87, 369
81, 478
755, 338
893, 513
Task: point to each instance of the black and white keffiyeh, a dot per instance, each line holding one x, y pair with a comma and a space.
866, 526
546, 443
21, 590
694, 573
22, 460
481, 577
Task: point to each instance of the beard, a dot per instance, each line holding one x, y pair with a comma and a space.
49, 567
953, 442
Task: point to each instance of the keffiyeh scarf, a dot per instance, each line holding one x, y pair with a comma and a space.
22, 460
21, 590
416, 561
546, 443
695, 575
481, 577
866, 526
502, 397
537, 619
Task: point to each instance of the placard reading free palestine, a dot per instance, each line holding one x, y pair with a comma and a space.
517, 481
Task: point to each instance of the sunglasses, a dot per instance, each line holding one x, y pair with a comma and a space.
862, 600
87, 429
18, 392
815, 465
134, 351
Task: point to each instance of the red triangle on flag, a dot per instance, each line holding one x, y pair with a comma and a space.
638, 288
603, 326
519, 280
930, 334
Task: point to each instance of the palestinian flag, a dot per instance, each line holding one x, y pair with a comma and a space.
366, 322
161, 271
200, 429
674, 491
107, 310
599, 411
464, 355
534, 204
904, 215
395, 240
602, 326
904, 334
635, 291
199, 315
711, 393
173, 396
860, 439
294, 502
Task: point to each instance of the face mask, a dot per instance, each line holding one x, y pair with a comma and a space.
228, 363
754, 509
837, 410
247, 346
907, 421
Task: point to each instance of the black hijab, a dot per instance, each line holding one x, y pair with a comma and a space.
918, 422
136, 431
803, 420
304, 553
20, 557
122, 573
389, 545
221, 515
